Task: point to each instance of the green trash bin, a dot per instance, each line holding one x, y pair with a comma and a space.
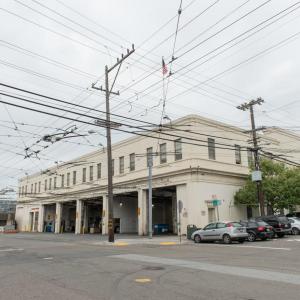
190, 230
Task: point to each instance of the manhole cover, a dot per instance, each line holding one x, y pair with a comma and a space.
154, 268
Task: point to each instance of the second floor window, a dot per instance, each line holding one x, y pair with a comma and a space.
211, 148
35, 188
250, 158
163, 153
132, 162
84, 175
98, 171
238, 159
31, 189
91, 173
55, 183
121, 164
45, 187
62, 180
113, 167
68, 179
50, 183
178, 149
74, 177
39, 188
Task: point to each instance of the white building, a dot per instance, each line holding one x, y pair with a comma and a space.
210, 162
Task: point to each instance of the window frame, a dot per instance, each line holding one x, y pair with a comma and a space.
237, 154
91, 170
178, 152
121, 164
163, 153
211, 146
99, 170
83, 175
74, 177
132, 162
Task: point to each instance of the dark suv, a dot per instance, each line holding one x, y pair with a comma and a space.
294, 214
258, 230
280, 224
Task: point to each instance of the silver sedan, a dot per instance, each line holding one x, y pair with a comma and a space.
221, 231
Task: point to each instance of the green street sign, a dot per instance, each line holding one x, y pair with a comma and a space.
216, 202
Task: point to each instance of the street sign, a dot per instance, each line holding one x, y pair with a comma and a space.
216, 202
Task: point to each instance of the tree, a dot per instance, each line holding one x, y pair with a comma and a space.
280, 185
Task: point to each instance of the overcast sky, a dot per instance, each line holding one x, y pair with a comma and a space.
60, 47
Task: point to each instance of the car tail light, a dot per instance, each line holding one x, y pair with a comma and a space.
229, 225
282, 225
261, 228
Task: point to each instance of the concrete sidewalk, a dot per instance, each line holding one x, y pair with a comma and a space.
96, 239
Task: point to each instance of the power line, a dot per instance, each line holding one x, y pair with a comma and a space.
113, 114
118, 129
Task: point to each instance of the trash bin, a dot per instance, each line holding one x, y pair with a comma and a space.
190, 230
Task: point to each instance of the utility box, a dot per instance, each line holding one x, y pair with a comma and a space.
190, 230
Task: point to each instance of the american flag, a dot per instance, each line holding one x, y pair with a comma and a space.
164, 67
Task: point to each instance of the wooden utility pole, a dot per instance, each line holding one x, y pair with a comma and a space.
245, 107
109, 125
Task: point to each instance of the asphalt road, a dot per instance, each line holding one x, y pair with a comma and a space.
46, 266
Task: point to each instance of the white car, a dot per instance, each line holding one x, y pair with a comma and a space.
221, 231
295, 225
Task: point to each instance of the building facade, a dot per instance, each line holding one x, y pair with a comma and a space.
201, 165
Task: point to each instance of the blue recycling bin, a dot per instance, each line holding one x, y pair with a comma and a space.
160, 228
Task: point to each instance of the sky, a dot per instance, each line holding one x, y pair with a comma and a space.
226, 53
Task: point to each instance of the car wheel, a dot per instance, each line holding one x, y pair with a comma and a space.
295, 231
241, 241
251, 237
227, 239
280, 235
197, 238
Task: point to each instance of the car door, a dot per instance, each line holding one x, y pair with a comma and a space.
221, 229
209, 232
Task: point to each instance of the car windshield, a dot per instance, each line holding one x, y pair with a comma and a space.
234, 224
262, 223
283, 219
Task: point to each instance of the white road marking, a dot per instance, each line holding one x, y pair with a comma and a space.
11, 250
48, 258
262, 247
221, 269
293, 240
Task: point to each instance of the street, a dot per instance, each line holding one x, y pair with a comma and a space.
48, 266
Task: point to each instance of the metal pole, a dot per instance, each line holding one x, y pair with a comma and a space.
150, 196
111, 236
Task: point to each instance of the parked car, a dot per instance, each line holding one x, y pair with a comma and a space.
295, 225
258, 230
280, 224
294, 214
221, 231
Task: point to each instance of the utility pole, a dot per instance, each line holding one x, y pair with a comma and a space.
150, 164
108, 91
244, 107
